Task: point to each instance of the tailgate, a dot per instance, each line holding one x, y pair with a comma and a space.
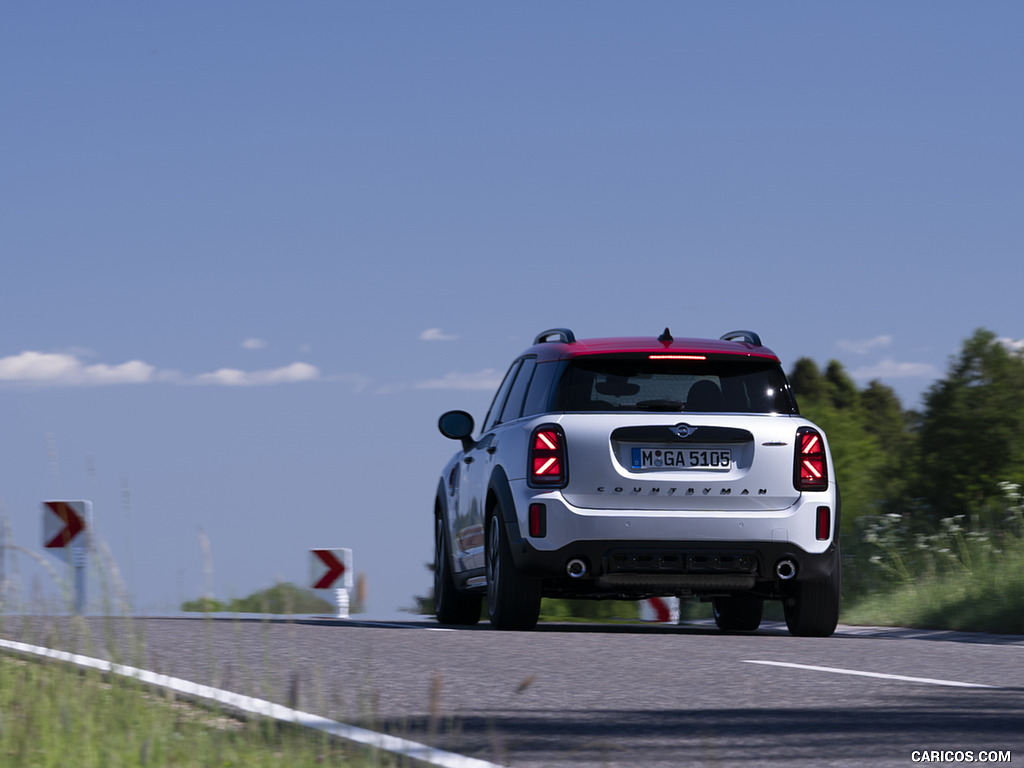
709, 463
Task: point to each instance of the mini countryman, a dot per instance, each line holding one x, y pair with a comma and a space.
629, 468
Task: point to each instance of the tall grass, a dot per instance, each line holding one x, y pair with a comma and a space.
53, 714
966, 573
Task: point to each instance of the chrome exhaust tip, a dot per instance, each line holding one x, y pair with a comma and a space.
576, 568
785, 569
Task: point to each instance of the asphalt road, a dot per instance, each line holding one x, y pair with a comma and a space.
582, 695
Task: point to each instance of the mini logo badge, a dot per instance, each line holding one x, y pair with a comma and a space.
683, 430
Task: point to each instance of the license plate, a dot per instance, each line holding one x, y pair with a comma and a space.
682, 458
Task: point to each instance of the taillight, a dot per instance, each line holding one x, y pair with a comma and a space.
810, 472
547, 457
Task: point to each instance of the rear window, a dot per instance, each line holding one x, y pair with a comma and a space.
723, 384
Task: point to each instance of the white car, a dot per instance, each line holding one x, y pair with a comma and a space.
629, 468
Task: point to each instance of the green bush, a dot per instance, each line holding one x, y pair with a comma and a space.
282, 598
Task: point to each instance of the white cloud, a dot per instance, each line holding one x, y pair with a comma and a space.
862, 347
132, 372
1014, 345
65, 369
488, 378
38, 366
891, 369
232, 377
436, 334
254, 343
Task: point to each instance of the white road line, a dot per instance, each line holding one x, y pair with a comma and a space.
860, 673
398, 746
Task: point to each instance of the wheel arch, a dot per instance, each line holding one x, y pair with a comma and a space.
499, 492
441, 500
441, 514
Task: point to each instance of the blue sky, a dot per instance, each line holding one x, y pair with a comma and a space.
252, 250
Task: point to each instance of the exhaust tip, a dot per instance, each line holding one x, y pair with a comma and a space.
785, 569
576, 568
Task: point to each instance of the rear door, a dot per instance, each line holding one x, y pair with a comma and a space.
478, 463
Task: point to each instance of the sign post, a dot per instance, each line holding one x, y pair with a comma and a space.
332, 569
66, 530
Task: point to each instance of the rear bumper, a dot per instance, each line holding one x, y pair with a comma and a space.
637, 552
691, 565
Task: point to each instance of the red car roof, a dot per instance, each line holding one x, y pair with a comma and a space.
560, 350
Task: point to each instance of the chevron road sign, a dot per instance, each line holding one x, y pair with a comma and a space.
332, 568
64, 522
66, 526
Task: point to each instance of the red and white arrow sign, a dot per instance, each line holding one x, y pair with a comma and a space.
63, 521
338, 564
660, 609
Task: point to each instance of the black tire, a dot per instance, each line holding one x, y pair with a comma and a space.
740, 613
812, 607
450, 605
513, 600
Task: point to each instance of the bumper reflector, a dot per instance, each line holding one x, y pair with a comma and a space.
538, 521
823, 525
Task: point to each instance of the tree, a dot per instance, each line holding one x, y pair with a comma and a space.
868, 433
834, 387
972, 430
884, 416
840, 388
807, 381
895, 431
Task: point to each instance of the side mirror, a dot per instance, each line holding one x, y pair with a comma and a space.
457, 425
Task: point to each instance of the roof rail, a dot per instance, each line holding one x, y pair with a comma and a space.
563, 334
748, 336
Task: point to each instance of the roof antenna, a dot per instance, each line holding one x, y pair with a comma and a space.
666, 337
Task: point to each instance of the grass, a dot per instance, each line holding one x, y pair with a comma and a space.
53, 715
966, 574
986, 596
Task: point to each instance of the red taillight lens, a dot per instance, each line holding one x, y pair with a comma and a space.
547, 456
811, 470
823, 524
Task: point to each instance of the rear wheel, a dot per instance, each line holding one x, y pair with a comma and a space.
740, 613
812, 608
513, 600
450, 605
